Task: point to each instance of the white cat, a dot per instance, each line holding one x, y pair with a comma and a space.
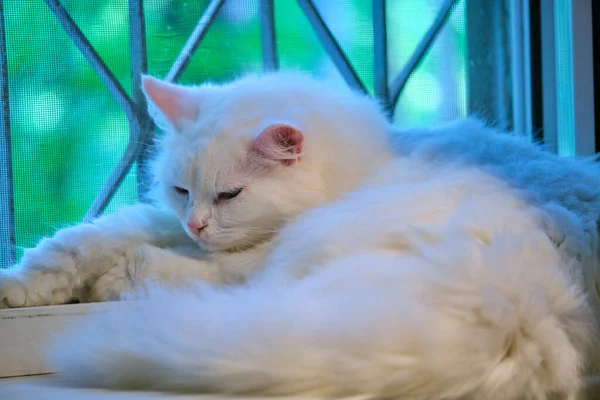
451, 263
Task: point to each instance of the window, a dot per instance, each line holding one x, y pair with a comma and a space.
565, 54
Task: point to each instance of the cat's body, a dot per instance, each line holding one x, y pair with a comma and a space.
455, 263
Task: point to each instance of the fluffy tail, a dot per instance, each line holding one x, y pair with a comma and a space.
493, 323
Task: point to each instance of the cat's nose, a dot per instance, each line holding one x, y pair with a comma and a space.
197, 227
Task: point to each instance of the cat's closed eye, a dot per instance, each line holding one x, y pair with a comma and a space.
228, 195
180, 190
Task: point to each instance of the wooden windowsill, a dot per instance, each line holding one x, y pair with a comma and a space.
25, 333
48, 387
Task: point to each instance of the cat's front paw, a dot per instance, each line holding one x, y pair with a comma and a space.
124, 277
46, 276
12, 291
33, 289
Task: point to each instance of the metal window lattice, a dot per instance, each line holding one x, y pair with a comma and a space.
141, 128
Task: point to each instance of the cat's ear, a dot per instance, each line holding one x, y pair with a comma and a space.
170, 104
279, 143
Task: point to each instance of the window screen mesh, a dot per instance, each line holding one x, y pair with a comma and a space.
68, 132
565, 145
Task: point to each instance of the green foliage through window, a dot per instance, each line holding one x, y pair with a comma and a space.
68, 132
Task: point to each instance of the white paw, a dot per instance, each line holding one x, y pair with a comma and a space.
12, 292
44, 277
123, 278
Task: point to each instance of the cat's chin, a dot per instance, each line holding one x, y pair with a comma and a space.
212, 247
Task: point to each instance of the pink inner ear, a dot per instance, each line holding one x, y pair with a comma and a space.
279, 142
174, 101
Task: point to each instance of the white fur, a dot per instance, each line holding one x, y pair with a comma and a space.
390, 314
464, 267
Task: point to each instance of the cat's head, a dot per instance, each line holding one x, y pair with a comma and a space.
239, 160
